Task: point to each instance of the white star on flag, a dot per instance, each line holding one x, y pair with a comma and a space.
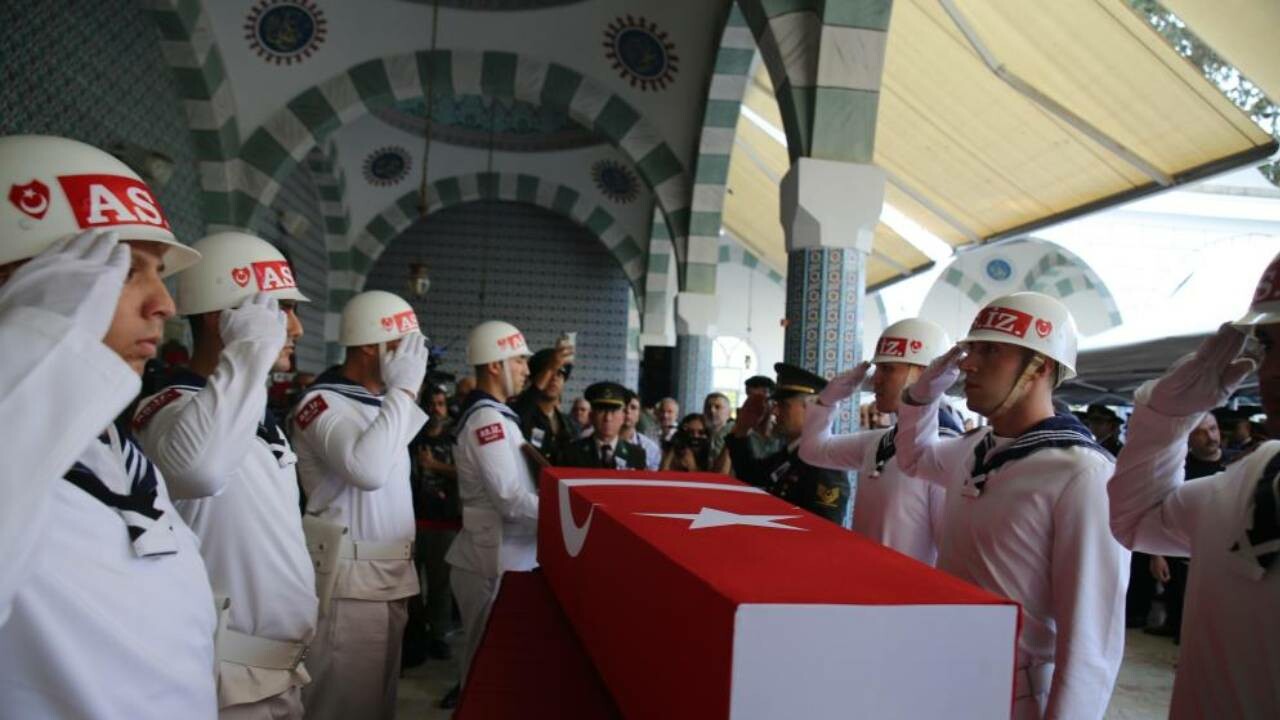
711, 517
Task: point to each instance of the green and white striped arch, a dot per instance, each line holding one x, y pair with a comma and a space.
826, 59
719, 125
1061, 274
731, 253
661, 283
187, 42
331, 184
312, 116
349, 268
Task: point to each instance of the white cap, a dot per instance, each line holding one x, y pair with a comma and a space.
1265, 308
234, 266
55, 188
913, 341
1031, 320
375, 316
494, 340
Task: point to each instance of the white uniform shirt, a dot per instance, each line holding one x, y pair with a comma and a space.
1035, 532
1229, 664
210, 441
49, 367
890, 507
497, 490
97, 631
353, 461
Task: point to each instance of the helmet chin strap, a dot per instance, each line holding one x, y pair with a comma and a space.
1020, 386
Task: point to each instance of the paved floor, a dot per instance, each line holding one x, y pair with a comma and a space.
1142, 690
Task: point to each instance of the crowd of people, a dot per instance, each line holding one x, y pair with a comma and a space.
194, 553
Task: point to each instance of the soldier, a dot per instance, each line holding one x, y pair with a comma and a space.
890, 507
543, 424
230, 468
352, 429
105, 607
495, 483
821, 491
1026, 507
1227, 522
604, 447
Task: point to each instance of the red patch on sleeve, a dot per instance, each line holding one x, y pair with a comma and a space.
309, 412
490, 433
149, 410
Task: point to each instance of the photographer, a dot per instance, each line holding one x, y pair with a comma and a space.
690, 446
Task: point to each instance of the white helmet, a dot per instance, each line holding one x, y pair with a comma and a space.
374, 317
1031, 320
1265, 308
56, 188
494, 340
914, 341
233, 266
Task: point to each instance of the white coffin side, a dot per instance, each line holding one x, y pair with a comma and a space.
886, 662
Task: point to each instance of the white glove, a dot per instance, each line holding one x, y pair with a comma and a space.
407, 366
1203, 380
941, 374
844, 385
258, 320
79, 278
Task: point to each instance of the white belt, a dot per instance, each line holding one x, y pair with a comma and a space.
1034, 680
244, 649
352, 550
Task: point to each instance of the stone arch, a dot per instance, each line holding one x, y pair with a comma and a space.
187, 42
313, 115
367, 245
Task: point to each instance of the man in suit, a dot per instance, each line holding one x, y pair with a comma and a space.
604, 447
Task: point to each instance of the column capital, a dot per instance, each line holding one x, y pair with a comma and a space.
828, 203
696, 314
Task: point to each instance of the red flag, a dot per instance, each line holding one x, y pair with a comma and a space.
699, 596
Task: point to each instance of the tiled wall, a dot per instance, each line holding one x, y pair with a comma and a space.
537, 271
93, 71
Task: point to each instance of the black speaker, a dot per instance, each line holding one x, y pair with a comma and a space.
657, 374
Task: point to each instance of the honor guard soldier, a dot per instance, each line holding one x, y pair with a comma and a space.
106, 610
604, 447
230, 468
352, 428
890, 507
543, 424
496, 485
1228, 523
1026, 509
821, 491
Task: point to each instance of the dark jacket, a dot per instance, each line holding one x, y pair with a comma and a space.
537, 428
584, 453
823, 492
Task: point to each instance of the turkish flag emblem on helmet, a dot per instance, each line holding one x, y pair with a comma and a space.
240, 276
32, 199
1043, 327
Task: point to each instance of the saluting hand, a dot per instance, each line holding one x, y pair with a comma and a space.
941, 374
79, 278
844, 385
406, 366
1203, 380
257, 320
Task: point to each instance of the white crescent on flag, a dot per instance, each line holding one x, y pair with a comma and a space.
576, 536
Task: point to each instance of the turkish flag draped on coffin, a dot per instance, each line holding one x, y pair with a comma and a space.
698, 596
